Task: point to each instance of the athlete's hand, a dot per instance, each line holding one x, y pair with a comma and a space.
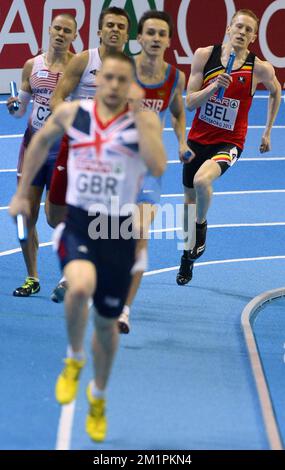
19, 205
10, 102
186, 154
223, 80
265, 145
135, 97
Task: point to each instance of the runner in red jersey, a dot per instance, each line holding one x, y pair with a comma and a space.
163, 85
219, 128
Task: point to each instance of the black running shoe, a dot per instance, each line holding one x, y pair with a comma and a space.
29, 287
200, 246
185, 272
59, 291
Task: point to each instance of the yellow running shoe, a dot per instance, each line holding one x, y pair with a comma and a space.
96, 421
68, 381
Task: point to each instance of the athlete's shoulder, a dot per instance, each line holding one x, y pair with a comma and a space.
81, 58
263, 69
204, 52
201, 56
28, 68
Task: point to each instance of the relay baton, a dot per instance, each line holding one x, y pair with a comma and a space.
14, 93
228, 71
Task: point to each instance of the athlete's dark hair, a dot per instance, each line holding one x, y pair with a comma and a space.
68, 16
113, 11
246, 11
158, 15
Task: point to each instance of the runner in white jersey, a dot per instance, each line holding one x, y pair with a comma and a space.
79, 82
111, 147
86, 87
163, 85
39, 78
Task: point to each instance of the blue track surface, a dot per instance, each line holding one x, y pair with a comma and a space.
182, 378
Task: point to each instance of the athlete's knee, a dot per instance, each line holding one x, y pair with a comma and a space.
55, 215
79, 292
201, 182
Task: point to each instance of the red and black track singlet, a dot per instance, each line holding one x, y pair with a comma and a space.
224, 121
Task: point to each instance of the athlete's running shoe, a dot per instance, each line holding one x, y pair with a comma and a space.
68, 381
124, 323
185, 272
96, 421
59, 292
29, 287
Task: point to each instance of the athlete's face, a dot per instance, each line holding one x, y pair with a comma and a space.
154, 39
114, 81
242, 31
62, 32
114, 32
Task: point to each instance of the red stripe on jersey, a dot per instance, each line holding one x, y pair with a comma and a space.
157, 97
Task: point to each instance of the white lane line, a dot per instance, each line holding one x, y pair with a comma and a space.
220, 193
230, 193
170, 129
31, 101
5, 208
11, 136
167, 129
223, 261
258, 224
64, 430
8, 170
176, 162
170, 229
242, 159
247, 318
18, 250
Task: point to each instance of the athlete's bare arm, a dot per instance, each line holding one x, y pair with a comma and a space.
37, 151
178, 115
150, 141
195, 96
70, 79
264, 73
25, 84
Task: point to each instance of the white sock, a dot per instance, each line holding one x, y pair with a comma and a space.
79, 356
126, 310
36, 279
95, 392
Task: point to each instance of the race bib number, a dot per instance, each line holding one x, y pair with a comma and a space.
40, 114
220, 114
96, 181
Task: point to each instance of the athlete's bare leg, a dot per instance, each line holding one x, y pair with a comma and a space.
147, 215
55, 214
